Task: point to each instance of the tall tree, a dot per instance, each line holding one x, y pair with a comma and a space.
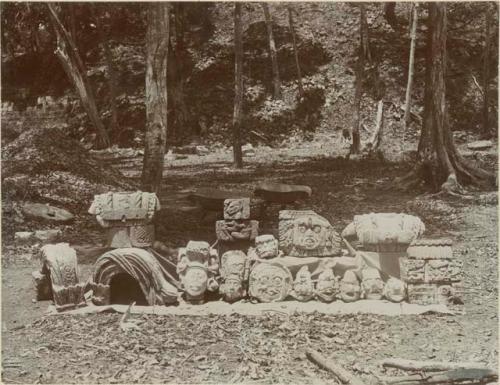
73, 65
438, 161
272, 52
295, 50
486, 70
157, 37
238, 87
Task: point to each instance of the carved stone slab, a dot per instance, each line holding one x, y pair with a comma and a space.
430, 249
412, 271
266, 246
306, 234
443, 270
269, 282
423, 293
234, 231
237, 209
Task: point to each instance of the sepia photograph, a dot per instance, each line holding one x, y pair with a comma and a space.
249, 192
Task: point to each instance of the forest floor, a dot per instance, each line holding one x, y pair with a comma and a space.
37, 348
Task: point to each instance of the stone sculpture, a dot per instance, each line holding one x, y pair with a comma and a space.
233, 230
327, 287
127, 216
58, 277
303, 287
350, 290
139, 264
269, 282
395, 290
266, 247
234, 265
237, 209
380, 232
197, 266
372, 286
307, 234
431, 272
232, 289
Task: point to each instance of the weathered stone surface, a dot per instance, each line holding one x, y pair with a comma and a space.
232, 289
237, 209
327, 288
430, 249
24, 236
372, 286
48, 235
233, 231
42, 286
269, 282
412, 271
233, 263
307, 234
480, 145
47, 212
384, 231
350, 289
303, 286
266, 246
443, 270
395, 290
282, 193
422, 293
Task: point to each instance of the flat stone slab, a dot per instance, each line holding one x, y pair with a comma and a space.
47, 212
213, 199
480, 145
282, 193
286, 307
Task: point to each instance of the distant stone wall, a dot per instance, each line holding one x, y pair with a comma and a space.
47, 112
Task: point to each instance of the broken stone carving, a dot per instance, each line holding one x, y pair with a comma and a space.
139, 265
233, 271
350, 290
127, 217
234, 230
266, 247
269, 282
197, 266
372, 286
306, 234
432, 273
395, 290
237, 209
327, 287
384, 231
303, 286
58, 277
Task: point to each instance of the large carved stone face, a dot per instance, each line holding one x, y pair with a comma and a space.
195, 281
270, 283
266, 246
327, 287
309, 233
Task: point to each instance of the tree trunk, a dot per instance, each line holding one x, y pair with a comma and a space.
295, 51
486, 71
156, 95
438, 161
176, 75
365, 34
238, 86
73, 65
413, 35
390, 15
272, 52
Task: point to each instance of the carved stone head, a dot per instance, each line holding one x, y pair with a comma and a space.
237, 208
303, 287
327, 287
350, 290
395, 290
233, 263
307, 234
372, 285
194, 279
198, 251
266, 246
270, 282
232, 289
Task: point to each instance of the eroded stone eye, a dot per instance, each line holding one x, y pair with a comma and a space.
302, 228
317, 229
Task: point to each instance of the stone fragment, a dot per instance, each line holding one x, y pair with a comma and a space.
443, 270
42, 286
422, 293
430, 249
237, 209
327, 288
395, 290
24, 236
282, 193
303, 287
233, 231
48, 235
248, 150
412, 271
480, 145
307, 234
350, 289
372, 286
233, 263
269, 282
47, 212
266, 246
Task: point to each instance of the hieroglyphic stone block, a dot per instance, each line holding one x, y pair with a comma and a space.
412, 270
234, 231
443, 270
237, 209
307, 234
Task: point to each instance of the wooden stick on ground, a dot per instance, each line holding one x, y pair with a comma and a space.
343, 375
429, 366
456, 376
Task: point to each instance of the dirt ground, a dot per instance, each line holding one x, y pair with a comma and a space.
269, 348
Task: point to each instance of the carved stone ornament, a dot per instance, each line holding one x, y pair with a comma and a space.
350, 290
303, 287
384, 231
234, 230
327, 287
395, 290
232, 289
194, 280
269, 282
307, 234
233, 263
198, 251
237, 209
266, 246
372, 286
58, 277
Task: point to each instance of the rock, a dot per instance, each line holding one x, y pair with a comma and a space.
46, 212
248, 150
202, 150
24, 236
480, 145
47, 235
